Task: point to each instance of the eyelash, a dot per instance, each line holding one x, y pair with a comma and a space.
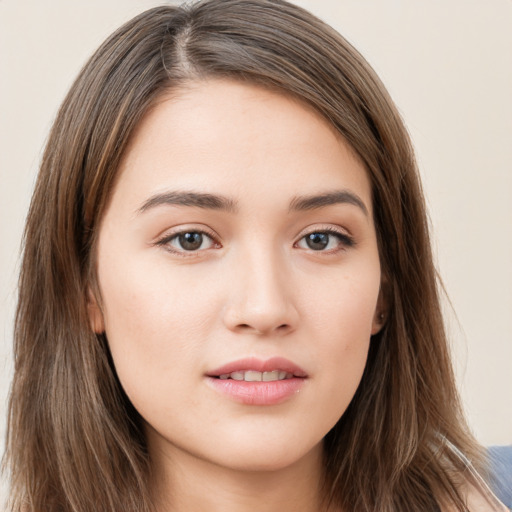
345, 241
166, 240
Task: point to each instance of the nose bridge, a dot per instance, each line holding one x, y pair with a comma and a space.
261, 301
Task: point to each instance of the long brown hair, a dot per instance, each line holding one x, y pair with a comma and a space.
75, 443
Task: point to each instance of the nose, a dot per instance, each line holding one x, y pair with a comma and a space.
261, 298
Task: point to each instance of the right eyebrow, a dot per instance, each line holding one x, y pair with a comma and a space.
189, 198
302, 203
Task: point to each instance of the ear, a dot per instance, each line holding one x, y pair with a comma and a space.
95, 314
381, 311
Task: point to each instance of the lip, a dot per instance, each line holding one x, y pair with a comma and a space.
258, 365
258, 393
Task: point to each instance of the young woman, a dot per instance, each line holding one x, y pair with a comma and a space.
227, 298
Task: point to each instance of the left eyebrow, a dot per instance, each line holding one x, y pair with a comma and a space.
191, 199
314, 202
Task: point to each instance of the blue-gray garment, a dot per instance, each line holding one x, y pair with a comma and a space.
500, 458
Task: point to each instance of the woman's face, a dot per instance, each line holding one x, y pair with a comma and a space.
239, 275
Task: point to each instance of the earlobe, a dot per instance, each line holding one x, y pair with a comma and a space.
95, 314
381, 311
379, 319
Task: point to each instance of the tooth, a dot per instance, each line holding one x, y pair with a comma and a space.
252, 376
282, 375
289, 376
224, 377
237, 376
270, 376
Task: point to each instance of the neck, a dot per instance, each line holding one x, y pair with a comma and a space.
216, 488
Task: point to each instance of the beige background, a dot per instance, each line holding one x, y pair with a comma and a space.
448, 65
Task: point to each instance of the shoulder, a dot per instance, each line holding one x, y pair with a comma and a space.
477, 499
500, 461
494, 495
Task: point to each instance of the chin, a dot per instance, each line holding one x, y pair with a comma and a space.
266, 456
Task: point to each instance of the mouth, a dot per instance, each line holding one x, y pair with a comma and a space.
256, 370
255, 376
256, 382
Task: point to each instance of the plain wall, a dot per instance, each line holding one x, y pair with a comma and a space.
447, 64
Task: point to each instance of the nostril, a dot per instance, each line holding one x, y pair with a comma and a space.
283, 328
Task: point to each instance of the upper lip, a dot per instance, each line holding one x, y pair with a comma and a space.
259, 365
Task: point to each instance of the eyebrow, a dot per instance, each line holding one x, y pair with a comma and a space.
314, 202
219, 202
193, 199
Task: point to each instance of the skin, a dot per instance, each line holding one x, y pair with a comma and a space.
254, 289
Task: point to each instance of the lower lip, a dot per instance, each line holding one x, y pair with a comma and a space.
258, 393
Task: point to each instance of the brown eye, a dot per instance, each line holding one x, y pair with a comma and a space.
317, 241
190, 241
187, 241
325, 241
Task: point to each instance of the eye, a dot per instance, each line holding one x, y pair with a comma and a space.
327, 240
187, 241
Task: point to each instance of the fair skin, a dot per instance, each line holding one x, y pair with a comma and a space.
276, 277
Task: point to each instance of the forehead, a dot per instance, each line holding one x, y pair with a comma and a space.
231, 138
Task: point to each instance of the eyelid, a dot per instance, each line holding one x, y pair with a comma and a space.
346, 239
324, 228
165, 239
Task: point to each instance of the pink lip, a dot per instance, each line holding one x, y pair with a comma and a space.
258, 393
257, 365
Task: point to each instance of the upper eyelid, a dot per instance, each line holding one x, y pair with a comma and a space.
171, 233
324, 228
346, 239
178, 230
164, 242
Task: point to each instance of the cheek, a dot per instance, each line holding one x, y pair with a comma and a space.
154, 321
341, 327
344, 304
